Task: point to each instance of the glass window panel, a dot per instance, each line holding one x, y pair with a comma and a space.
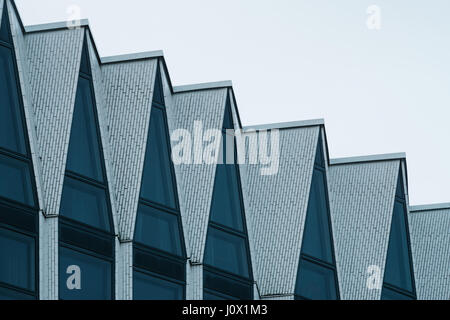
85, 203
95, 276
398, 268
15, 182
220, 284
228, 117
388, 294
315, 282
5, 33
399, 192
210, 295
85, 64
227, 252
84, 149
226, 205
158, 229
8, 294
147, 287
157, 183
317, 233
319, 153
11, 126
17, 263
158, 94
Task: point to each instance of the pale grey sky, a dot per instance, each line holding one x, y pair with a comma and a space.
378, 91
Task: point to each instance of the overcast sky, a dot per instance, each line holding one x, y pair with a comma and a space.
379, 91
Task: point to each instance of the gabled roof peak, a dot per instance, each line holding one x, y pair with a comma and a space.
370, 158
133, 57
287, 125
429, 207
203, 86
55, 26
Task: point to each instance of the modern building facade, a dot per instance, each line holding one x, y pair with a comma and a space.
93, 207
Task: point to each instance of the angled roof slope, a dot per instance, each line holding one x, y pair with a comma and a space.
276, 207
362, 198
128, 88
53, 64
196, 180
430, 241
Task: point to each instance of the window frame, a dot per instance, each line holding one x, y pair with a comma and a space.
35, 238
92, 254
160, 277
227, 276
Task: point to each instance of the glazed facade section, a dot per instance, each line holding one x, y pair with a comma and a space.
93, 207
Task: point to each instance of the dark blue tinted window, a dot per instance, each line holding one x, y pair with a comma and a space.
227, 252
226, 285
157, 180
210, 295
85, 65
317, 276
158, 94
319, 160
95, 276
85, 203
315, 282
84, 150
317, 233
147, 287
15, 182
11, 128
17, 263
226, 204
398, 267
158, 229
5, 33
228, 117
400, 193
7, 294
388, 294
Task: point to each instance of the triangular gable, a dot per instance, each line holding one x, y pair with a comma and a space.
53, 57
158, 181
85, 195
158, 223
128, 97
207, 107
276, 205
398, 280
317, 276
362, 200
